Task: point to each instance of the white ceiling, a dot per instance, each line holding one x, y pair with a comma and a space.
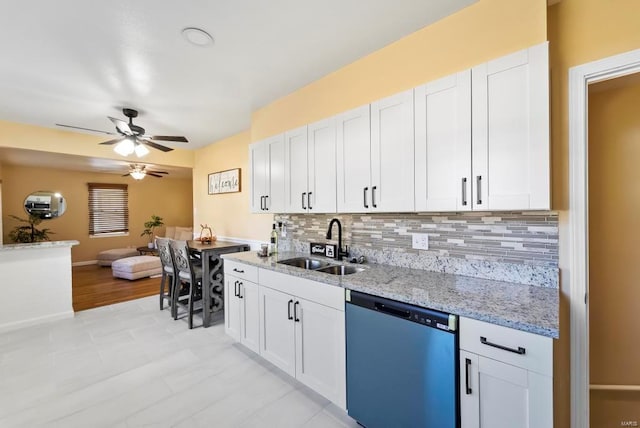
76, 62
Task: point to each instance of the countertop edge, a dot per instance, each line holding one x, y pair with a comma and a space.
39, 245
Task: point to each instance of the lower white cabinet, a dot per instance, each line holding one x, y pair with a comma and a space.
505, 377
296, 324
242, 320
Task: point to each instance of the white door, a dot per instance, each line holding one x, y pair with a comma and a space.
510, 102
277, 338
259, 162
322, 167
443, 144
469, 390
354, 160
392, 153
250, 315
231, 307
320, 349
275, 195
296, 160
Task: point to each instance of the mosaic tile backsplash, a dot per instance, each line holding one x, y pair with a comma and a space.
507, 246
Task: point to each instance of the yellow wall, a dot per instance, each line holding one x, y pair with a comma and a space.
21, 136
169, 198
614, 231
485, 30
227, 213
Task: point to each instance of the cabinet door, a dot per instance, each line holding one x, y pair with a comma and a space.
510, 101
354, 160
259, 161
277, 338
320, 350
231, 307
322, 167
392, 153
275, 187
443, 144
250, 315
296, 161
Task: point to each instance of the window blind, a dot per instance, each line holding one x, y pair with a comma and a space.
108, 208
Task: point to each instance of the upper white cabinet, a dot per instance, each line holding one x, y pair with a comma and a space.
510, 110
310, 168
443, 144
375, 156
267, 175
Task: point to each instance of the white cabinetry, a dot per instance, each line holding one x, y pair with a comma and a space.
267, 175
375, 156
510, 109
310, 168
302, 332
242, 321
505, 377
443, 144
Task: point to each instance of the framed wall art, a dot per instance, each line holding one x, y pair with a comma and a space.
224, 181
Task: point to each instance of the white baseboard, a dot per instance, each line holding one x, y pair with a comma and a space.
35, 321
85, 263
253, 244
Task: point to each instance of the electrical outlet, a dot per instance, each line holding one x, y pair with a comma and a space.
420, 241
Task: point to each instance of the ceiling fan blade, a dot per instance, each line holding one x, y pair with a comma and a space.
111, 142
85, 129
154, 175
168, 138
158, 172
126, 174
156, 146
121, 125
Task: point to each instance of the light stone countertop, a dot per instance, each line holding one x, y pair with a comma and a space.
522, 307
47, 244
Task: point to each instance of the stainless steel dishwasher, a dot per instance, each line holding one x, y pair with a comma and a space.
402, 364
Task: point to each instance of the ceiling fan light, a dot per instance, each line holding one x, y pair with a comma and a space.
138, 175
124, 148
141, 150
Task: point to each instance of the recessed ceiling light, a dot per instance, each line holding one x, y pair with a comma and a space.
197, 36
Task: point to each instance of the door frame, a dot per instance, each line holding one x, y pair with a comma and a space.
580, 77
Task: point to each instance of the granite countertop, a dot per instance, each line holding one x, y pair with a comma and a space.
47, 244
522, 307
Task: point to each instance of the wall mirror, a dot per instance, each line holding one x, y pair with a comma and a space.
45, 205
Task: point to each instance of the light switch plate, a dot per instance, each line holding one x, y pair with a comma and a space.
420, 241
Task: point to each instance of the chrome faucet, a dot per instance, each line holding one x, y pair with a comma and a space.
340, 253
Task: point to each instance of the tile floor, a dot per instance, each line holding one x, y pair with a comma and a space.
130, 365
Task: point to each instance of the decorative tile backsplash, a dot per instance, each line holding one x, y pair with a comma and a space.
509, 246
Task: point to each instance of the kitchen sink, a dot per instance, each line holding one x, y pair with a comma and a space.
305, 263
340, 270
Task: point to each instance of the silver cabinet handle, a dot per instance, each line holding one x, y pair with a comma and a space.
464, 191
366, 189
309, 200
479, 189
373, 196
303, 207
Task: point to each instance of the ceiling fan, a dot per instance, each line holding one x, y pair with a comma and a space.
133, 137
139, 171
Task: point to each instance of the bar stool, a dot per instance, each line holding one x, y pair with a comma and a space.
189, 274
168, 280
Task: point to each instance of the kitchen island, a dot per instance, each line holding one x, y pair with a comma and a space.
35, 280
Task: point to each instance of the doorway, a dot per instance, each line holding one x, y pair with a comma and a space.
580, 77
614, 267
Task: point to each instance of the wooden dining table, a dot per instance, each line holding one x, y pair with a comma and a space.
213, 273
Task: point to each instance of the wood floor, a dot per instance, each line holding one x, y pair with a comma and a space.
95, 286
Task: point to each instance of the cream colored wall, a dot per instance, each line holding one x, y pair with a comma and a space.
169, 198
482, 31
21, 136
228, 214
580, 31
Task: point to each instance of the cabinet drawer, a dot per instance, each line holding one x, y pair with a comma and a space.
519, 348
241, 271
325, 294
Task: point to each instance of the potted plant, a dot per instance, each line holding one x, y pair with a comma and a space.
27, 234
149, 228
